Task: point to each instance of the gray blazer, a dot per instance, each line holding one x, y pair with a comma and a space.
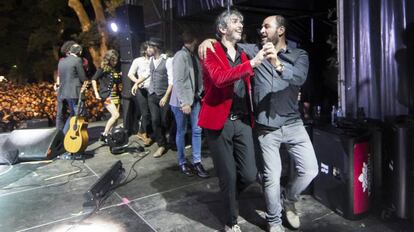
71, 76
183, 91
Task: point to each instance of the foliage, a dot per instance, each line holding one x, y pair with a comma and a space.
32, 32
332, 40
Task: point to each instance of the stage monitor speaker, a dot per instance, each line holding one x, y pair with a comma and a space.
8, 155
36, 144
105, 184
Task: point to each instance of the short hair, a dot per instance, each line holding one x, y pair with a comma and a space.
280, 21
223, 18
75, 49
188, 37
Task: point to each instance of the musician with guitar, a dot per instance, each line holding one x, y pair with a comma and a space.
109, 80
71, 76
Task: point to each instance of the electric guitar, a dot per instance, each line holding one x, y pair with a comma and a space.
76, 139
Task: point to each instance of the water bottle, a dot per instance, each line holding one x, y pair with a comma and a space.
339, 113
318, 112
333, 115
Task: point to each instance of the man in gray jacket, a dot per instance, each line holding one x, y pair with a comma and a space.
185, 103
71, 76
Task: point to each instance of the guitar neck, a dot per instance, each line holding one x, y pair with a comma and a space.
80, 100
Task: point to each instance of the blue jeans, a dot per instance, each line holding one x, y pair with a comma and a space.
301, 150
181, 120
72, 105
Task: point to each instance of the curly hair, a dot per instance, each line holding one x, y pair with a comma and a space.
110, 54
66, 46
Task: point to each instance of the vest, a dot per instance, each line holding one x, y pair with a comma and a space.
159, 78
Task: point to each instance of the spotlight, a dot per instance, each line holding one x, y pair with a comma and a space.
114, 27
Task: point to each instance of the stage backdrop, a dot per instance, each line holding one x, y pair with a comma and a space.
378, 56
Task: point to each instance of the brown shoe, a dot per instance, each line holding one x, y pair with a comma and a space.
160, 151
142, 136
148, 142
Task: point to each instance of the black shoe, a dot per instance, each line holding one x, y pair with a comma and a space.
103, 138
186, 170
201, 172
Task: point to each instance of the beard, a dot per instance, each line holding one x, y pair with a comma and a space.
273, 39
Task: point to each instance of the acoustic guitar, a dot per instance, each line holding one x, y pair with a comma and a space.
76, 139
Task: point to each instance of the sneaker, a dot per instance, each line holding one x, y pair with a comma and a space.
276, 228
291, 214
234, 228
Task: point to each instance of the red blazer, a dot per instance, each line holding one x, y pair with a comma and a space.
219, 78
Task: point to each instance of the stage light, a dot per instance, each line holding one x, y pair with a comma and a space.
114, 27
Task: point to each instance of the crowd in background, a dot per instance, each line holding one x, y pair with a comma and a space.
22, 102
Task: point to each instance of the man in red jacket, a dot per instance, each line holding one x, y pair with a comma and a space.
226, 112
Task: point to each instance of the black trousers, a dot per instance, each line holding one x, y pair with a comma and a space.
158, 118
130, 114
142, 98
233, 156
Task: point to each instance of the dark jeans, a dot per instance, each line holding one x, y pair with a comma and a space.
142, 98
158, 118
233, 156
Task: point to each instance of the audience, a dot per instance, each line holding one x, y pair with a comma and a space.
21, 102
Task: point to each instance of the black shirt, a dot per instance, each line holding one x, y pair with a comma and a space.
239, 105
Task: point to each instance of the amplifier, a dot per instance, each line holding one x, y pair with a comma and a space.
344, 180
399, 166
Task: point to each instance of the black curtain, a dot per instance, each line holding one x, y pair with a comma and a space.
378, 64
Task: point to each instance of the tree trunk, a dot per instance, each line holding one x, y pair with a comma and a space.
85, 22
100, 19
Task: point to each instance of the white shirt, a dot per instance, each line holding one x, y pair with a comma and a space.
141, 67
168, 65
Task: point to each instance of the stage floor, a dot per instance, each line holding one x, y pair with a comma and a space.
159, 199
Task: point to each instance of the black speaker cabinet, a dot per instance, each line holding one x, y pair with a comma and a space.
399, 165
35, 144
344, 180
126, 82
130, 19
106, 183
